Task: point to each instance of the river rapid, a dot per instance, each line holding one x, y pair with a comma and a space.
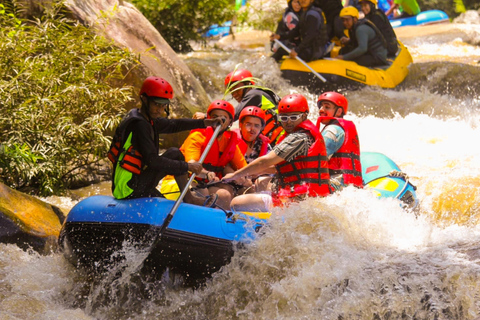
347, 256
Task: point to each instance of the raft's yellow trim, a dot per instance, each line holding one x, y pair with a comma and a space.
259, 215
388, 78
384, 184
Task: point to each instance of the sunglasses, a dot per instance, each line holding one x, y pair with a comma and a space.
293, 117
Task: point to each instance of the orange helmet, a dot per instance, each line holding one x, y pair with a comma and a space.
157, 87
221, 105
238, 75
252, 111
293, 103
336, 98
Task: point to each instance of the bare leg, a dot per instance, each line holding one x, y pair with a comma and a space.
250, 202
189, 196
225, 194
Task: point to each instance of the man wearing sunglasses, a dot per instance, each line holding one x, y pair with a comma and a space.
341, 140
299, 157
137, 165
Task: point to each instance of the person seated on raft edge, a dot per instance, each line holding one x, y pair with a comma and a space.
366, 45
224, 156
289, 21
331, 9
134, 152
242, 88
253, 143
300, 158
380, 20
410, 8
341, 141
312, 30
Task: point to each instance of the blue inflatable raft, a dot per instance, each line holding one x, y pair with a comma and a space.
99, 230
421, 19
385, 178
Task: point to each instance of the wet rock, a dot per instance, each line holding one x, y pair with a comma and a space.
468, 17
27, 221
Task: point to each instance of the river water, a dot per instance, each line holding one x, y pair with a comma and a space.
348, 256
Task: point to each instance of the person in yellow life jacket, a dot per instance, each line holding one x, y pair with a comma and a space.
242, 87
134, 152
341, 140
300, 159
224, 156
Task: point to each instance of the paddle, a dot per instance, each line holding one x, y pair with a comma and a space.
299, 59
184, 192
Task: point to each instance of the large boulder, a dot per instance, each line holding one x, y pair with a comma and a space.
27, 221
121, 22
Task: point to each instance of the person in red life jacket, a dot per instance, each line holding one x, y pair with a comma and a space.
341, 140
224, 156
241, 85
253, 143
137, 165
300, 159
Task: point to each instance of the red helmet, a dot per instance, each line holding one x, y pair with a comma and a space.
157, 87
222, 105
336, 98
293, 103
252, 111
238, 75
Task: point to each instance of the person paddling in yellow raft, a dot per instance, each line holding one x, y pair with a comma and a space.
224, 156
300, 158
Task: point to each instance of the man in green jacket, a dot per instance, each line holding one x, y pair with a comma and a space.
366, 44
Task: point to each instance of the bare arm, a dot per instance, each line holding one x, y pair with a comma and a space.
392, 8
255, 167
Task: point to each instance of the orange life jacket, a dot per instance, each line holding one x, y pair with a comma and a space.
216, 160
273, 127
243, 145
346, 161
305, 175
132, 160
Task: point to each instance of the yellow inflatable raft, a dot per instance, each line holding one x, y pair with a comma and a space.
342, 74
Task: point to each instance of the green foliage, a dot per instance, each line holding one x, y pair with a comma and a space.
56, 99
179, 21
261, 14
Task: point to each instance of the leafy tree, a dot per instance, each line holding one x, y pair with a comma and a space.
57, 99
180, 21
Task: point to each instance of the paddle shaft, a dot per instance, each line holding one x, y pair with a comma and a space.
185, 190
299, 59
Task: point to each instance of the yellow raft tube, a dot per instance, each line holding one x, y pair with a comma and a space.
342, 74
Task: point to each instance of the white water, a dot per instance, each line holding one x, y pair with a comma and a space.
348, 256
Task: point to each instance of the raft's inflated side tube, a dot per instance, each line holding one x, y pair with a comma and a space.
385, 178
197, 242
421, 19
347, 74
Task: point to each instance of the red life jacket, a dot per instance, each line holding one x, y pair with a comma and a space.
243, 145
216, 160
305, 174
132, 160
346, 160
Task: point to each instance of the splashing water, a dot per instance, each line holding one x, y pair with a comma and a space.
347, 256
